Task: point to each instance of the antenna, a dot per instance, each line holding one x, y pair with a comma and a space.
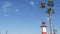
6, 32
0, 33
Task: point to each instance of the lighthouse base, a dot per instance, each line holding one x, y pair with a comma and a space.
44, 33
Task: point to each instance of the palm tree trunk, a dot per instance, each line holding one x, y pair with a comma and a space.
50, 21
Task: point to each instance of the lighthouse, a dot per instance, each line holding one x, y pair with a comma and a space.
43, 26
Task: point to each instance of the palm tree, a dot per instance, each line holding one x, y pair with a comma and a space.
50, 11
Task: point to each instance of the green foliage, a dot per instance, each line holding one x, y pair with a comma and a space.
42, 5
50, 11
50, 3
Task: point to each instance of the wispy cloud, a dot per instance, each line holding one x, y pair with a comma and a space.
5, 11
5, 6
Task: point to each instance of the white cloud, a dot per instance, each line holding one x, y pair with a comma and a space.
5, 11
6, 4
32, 3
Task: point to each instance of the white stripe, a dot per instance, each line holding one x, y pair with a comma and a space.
44, 29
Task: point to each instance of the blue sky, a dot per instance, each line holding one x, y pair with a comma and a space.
25, 16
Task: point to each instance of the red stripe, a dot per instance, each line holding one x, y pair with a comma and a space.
44, 33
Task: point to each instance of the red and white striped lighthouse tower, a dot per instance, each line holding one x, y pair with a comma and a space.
43, 26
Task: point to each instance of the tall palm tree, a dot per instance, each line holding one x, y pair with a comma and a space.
50, 11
